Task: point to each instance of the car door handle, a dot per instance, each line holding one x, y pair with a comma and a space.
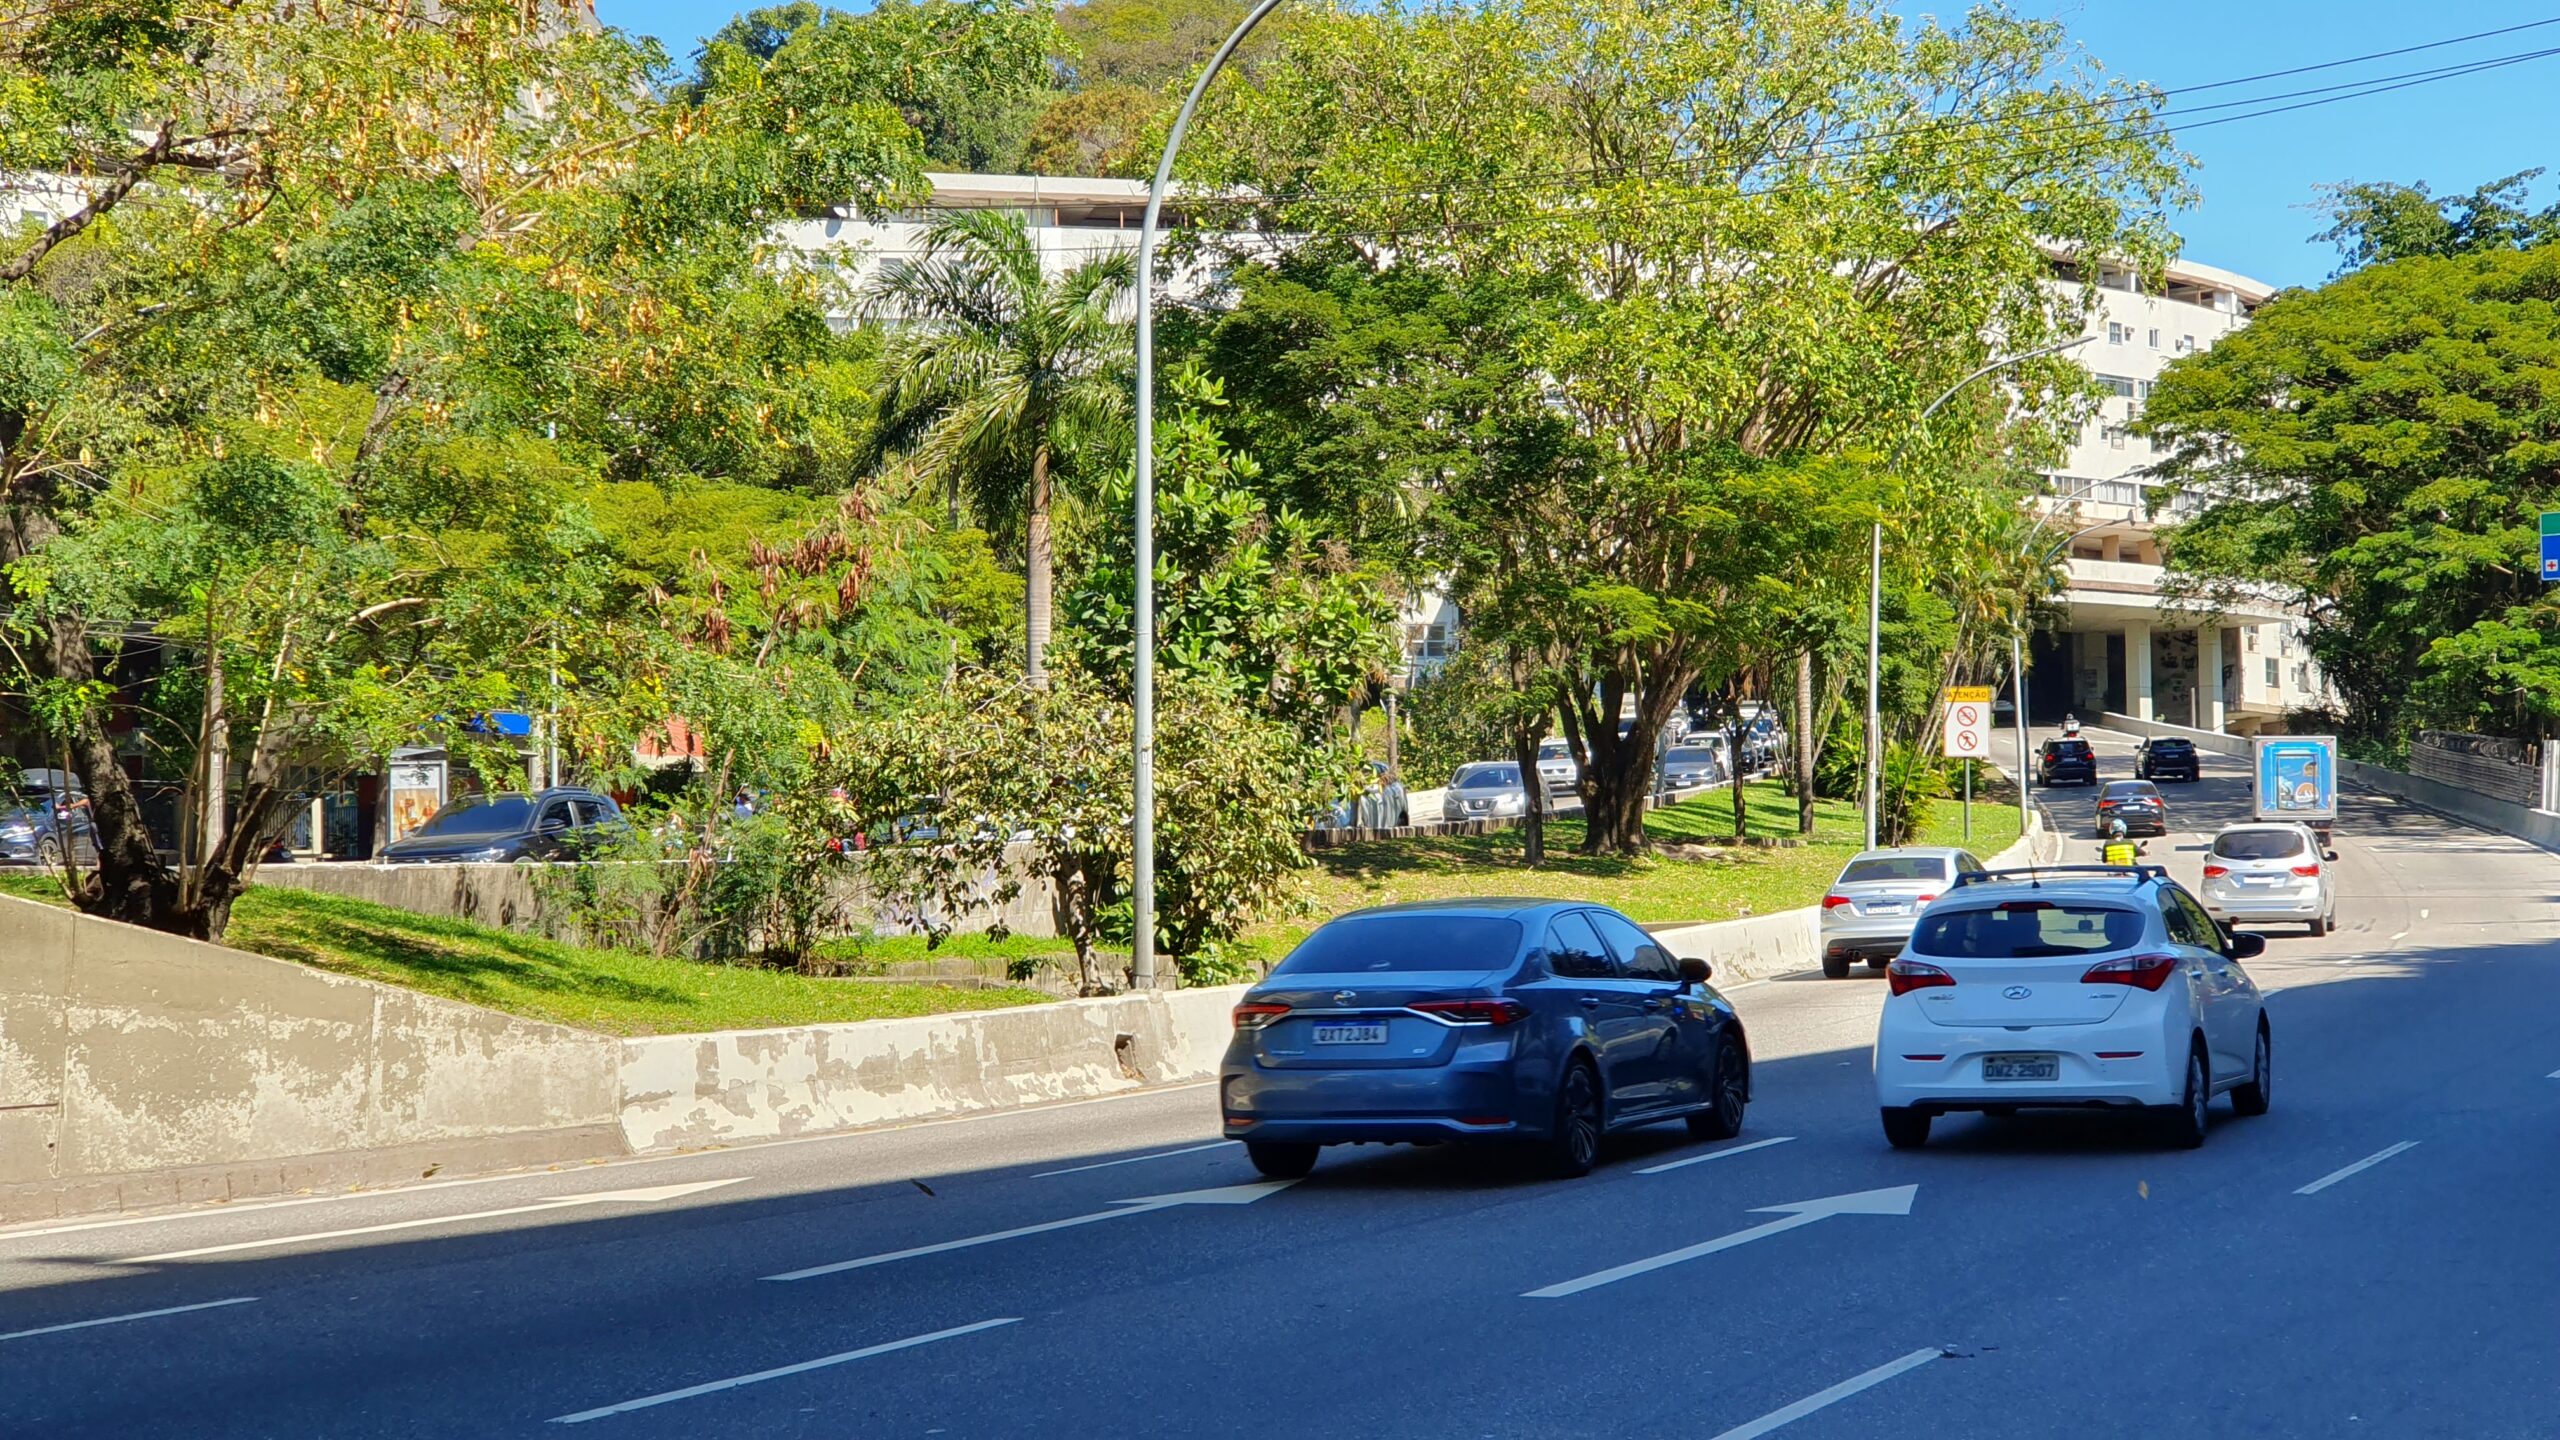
1590, 1002
1653, 1005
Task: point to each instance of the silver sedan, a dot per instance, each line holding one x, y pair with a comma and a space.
1485, 790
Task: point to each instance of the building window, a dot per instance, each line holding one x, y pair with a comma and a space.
2271, 672
2115, 437
2117, 385
2118, 334
2155, 338
2186, 344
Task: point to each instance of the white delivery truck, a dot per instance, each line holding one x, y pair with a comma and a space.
2296, 778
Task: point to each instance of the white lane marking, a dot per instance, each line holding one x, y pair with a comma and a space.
1895, 1201
136, 1315
1833, 1396
1716, 1155
652, 1195
711, 1387
2403, 935
1146, 1205
2554, 1075
1134, 1159
2367, 1163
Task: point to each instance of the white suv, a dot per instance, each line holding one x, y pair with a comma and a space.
2078, 986
2270, 873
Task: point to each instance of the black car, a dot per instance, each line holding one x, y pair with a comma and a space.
2166, 759
2066, 762
559, 824
2137, 804
44, 818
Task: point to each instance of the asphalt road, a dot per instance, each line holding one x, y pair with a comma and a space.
2054, 1275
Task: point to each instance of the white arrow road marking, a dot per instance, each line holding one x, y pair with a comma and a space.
1832, 1396
805, 1366
2367, 1163
1146, 1205
1894, 1201
649, 1195
2554, 1075
1716, 1155
136, 1315
1134, 1159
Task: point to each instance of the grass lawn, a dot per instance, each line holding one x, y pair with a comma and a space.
609, 991
1656, 889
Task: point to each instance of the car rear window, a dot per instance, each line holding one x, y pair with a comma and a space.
2026, 930
1895, 867
1405, 942
2119, 789
2171, 747
2258, 845
2071, 749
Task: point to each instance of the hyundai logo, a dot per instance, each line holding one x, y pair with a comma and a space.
1344, 997
2016, 992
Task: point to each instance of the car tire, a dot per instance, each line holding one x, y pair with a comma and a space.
2184, 1124
1281, 1160
2253, 1097
1879, 963
48, 854
1722, 1119
2319, 926
1835, 967
1573, 1143
1905, 1128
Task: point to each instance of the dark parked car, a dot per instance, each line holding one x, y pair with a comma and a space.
44, 816
557, 824
2166, 759
1537, 1021
2135, 802
2066, 762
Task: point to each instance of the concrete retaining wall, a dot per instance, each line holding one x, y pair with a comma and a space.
2540, 827
139, 1069
2238, 747
688, 1090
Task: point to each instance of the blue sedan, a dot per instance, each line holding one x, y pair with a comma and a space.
1542, 1022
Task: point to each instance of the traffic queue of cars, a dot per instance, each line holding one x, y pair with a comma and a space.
1546, 1024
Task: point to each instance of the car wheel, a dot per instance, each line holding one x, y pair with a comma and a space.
1905, 1129
1281, 1160
49, 853
2319, 926
1879, 962
2183, 1124
1404, 819
1573, 1146
1722, 1119
2252, 1098
1835, 967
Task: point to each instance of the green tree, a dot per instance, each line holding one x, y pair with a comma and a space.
2377, 449
1001, 379
1746, 287
2375, 222
1098, 130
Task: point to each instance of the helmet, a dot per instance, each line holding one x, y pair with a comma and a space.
2115, 829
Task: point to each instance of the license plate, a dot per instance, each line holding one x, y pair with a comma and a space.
1886, 907
2021, 1067
1370, 1032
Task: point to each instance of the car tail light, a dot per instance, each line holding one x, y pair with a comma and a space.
1905, 976
1253, 1016
2311, 869
1834, 902
2142, 972
2216, 872
1473, 1012
1925, 899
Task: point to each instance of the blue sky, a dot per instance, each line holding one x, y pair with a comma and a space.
2257, 176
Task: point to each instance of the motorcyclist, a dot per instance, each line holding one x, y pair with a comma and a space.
2071, 726
2118, 849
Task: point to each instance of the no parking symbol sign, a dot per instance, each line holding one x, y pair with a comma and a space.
1968, 728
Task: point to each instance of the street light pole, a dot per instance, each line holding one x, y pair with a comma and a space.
1875, 567
1142, 809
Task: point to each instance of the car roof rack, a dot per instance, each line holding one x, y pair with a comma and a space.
2036, 874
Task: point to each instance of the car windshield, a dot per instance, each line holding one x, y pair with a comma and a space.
1405, 942
480, 815
1692, 755
1895, 867
2258, 844
1490, 777
2026, 930
1555, 750
2128, 789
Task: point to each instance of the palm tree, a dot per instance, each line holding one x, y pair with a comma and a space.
998, 373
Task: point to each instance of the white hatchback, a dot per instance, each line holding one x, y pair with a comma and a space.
2081, 986
2270, 873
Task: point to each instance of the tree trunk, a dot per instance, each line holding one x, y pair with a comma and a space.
1525, 736
213, 810
1618, 779
1737, 735
1037, 564
1807, 743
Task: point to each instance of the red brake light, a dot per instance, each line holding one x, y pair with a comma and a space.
1253, 1016
2142, 972
2215, 872
1834, 902
1925, 899
2311, 869
1473, 1012
1905, 976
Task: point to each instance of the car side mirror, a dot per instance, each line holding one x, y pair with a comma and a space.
1696, 972
554, 825
2247, 947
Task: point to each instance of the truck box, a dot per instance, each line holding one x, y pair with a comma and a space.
2296, 778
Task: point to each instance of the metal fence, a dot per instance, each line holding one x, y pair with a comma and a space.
2491, 765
